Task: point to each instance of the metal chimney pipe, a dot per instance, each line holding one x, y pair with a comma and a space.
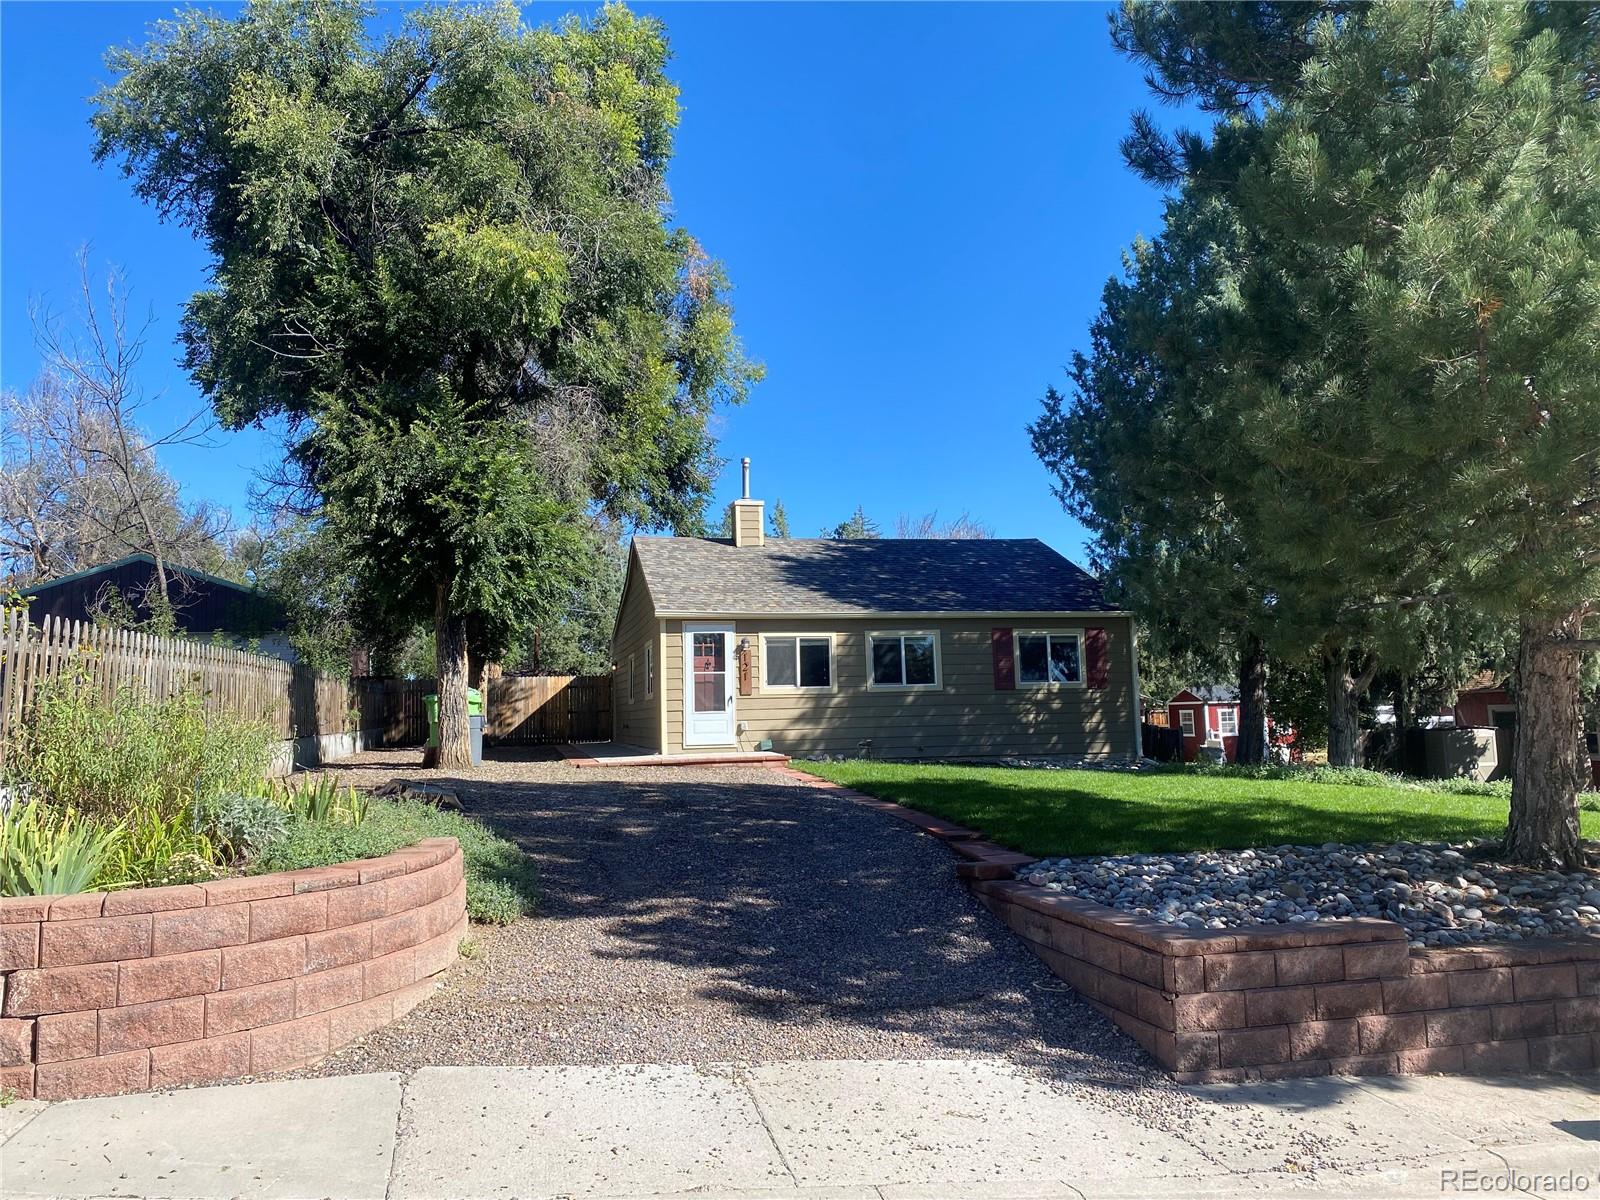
745, 463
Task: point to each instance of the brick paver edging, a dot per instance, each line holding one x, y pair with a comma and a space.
109, 992
1277, 1001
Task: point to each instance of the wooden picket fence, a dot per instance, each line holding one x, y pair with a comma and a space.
526, 710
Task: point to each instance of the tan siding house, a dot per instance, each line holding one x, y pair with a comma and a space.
888, 648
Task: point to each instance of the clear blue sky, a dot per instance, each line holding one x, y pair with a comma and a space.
918, 206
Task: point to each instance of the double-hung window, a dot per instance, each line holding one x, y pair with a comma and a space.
1186, 721
804, 663
1045, 658
1228, 722
908, 660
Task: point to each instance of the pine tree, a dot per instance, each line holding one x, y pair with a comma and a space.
859, 527
778, 520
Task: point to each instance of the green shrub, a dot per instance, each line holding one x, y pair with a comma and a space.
500, 877
1343, 776
50, 851
109, 755
158, 849
242, 827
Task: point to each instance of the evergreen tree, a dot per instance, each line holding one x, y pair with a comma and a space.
778, 520
1424, 177
859, 527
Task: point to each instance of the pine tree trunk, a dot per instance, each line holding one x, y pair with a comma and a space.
1252, 700
1549, 768
450, 639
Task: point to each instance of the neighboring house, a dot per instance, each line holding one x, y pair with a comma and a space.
888, 648
1209, 713
1483, 702
204, 606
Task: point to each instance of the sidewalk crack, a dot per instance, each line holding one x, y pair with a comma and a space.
766, 1124
399, 1120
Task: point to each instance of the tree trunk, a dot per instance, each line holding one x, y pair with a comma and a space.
1252, 700
1345, 689
450, 640
1549, 768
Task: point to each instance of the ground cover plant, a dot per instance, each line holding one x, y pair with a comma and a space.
500, 877
1050, 813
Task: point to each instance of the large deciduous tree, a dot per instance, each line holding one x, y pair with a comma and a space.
442, 254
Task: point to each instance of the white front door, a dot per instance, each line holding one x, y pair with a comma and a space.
708, 685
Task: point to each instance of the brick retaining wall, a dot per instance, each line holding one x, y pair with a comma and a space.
1276, 1001
110, 992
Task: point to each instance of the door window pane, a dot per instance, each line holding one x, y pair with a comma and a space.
709, 694
710, 672
709, 649
814, 669
1064, 660
886, 660
919, 659
1033, 658
780, 662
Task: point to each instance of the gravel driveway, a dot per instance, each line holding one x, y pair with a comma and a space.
695, 915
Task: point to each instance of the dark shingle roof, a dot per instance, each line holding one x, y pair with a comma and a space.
1214, 693
825, 575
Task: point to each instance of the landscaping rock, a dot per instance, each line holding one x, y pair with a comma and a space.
400, 789
1442, 895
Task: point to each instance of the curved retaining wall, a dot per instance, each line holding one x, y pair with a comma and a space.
109, 992
1346, 997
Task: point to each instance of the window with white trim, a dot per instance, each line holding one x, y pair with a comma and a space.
1186, 721
797, 661
1050, 658
908, 660
649, 670
1228, 722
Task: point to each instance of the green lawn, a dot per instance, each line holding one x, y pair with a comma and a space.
1049, 813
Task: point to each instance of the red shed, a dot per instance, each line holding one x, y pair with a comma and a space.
1206, 713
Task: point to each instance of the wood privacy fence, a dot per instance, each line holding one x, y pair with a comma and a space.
294, 700
297, 702
546, 709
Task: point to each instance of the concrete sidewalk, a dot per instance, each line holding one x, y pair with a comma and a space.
941, 1130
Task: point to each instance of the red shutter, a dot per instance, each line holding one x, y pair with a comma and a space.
1005, 675
1096, 660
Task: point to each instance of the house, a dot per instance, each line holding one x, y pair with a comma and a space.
203, 605
887, 648
1484, 703
1206, 713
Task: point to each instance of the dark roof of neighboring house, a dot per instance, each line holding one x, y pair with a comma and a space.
203, 602
789, 576
1212, 693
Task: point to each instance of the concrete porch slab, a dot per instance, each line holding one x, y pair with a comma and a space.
620, 754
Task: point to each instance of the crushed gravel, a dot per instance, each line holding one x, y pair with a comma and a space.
696, 915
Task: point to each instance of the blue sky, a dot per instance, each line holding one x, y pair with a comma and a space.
917, 205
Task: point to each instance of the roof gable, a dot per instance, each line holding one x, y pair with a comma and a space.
791, 576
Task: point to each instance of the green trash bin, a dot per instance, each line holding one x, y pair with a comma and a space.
474, 717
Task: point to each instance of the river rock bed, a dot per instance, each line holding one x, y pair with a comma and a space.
1443, 895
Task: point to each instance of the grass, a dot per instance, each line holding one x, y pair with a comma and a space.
500, 877
1060, 813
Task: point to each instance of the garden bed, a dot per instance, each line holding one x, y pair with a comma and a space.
1441, 895
110, 992
1274, 1001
